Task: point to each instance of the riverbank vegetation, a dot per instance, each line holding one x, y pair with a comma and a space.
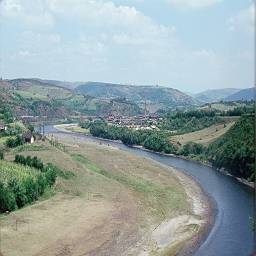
151, 140
232, 150
235, 150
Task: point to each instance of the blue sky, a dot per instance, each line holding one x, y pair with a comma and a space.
191, 45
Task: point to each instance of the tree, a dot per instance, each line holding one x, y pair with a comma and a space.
14, 142
7, 199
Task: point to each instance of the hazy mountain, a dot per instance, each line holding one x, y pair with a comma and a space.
153, 96
215, 95
66, 84
245, 94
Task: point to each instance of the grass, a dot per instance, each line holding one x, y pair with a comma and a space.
30, 147
3, 142
78, 129
39, 92
204, 136
99, 190
158, 197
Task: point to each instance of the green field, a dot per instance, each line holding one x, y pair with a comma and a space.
43, 92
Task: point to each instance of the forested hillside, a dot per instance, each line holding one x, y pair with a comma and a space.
235, 150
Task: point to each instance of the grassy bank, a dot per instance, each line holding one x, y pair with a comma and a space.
112, 198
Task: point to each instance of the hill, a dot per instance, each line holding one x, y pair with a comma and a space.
65, 84
25, 97
215, 95
155, 97
244, 95
234, 151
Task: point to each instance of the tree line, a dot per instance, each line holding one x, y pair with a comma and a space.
234, 151
152, 140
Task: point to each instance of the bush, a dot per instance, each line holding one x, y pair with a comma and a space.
159, 143
7, 199
14, 142
192, 148
50, 174
29, 161
85, 124
20, 185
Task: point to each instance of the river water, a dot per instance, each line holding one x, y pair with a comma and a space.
231, 233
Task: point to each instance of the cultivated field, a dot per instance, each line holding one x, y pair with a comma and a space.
204, 136
115, 204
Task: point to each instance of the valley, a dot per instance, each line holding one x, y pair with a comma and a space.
85, 183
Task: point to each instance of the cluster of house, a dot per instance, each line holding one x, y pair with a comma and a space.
141, 122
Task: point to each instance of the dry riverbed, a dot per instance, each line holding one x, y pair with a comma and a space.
115, 204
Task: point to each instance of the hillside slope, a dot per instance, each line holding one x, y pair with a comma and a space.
215, 95
35, 97
234, 151
155, 97
29, 97
246, 94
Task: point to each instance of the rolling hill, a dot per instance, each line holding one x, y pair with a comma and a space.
41, 98
154, 97
245, 95
28, 97
215, 95
32, 96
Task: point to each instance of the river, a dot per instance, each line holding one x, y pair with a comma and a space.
231, 233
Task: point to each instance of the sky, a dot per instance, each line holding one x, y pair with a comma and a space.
190, 45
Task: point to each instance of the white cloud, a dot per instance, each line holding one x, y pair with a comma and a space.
11, 7
28, 14
98, 12
184, 4
243, 21
98, 40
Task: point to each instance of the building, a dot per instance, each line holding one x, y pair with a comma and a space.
3, 127
28, 137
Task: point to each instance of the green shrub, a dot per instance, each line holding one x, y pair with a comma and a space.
14, 142
29, 161
192, 148
7, 199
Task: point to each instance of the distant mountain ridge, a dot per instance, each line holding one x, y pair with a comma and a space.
215, 95
245, 95
32, 96
159, 97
